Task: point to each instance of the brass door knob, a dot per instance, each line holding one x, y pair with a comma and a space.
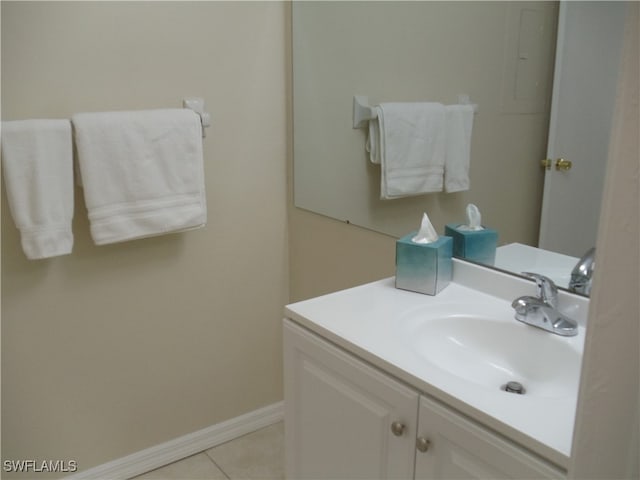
422, 444
397, 428
563, 165
546, 163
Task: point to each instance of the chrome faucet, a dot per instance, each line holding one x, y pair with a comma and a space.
583, 271
541, 311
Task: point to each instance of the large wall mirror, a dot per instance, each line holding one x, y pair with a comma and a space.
503, 56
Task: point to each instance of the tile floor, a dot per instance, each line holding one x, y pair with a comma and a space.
257, 455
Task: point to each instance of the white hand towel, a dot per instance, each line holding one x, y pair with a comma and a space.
142, 172
458, 147
37, 161
412, 148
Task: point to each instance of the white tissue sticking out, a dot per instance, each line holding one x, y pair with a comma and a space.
427, 233
474, 219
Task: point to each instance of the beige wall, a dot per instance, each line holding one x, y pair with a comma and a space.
114, 349
607, 436
327, 255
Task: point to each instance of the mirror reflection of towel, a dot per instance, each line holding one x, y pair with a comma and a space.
411, 147
421, 147
458, 148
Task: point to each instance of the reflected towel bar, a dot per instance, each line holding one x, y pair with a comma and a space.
363, 112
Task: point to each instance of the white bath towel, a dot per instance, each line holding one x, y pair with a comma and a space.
142, 172
37, 162
411, 148
458, 147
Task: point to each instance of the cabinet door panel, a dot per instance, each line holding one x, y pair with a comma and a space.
338, 414
461, 449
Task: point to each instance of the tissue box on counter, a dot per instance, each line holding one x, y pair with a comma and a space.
475, 245
423, 268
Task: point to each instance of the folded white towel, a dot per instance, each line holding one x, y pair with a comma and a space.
410, 146
458, 147
142, 172
37, 162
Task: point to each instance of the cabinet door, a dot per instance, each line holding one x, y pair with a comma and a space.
459, 448
339, 414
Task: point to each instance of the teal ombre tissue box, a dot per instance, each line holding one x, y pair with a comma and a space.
475, 245
423, 268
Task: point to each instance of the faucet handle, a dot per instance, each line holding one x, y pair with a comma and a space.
547, 290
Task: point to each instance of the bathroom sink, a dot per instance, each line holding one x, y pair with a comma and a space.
462, 346
490, 349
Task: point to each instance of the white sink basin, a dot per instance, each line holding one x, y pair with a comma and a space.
491, 348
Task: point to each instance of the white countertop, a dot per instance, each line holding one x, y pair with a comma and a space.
364, 321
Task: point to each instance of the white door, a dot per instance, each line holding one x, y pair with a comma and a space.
343, 419
586, 72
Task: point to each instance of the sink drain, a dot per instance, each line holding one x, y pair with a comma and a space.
513, 387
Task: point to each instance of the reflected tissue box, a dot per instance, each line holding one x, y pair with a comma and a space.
423, 268
475, 245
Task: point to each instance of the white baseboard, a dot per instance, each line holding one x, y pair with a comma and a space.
182, 447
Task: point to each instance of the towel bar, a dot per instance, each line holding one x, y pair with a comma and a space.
197, 105
363, 112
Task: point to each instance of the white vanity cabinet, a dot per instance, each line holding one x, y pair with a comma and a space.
345, 419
